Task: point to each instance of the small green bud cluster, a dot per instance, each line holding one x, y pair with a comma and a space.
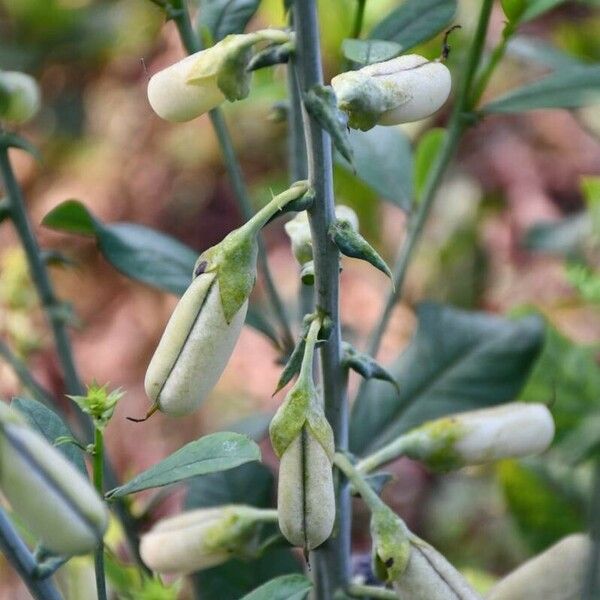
19, 97
54, 499
99, 403
303, 440
400, 90
202, 538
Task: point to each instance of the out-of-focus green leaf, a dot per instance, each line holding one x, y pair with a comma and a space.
286, 587
541, 52
562, 89
52, 427
415, 21
564, 238
139, 252
457, 361
542, 509
535, 8
211, 453
425, 155
383, 160
585, 280
222, 17
366, 52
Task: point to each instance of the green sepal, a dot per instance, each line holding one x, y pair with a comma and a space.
366, 365
320, 428
391, 544
321, 104
291, 416
351, 243
233, 77
276, 54
294, 363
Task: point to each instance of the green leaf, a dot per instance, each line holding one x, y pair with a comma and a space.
425, 156
138, 252
542, 53
222, 17
294, 362
383, 160
211, 453
321, 104
365, 365
351, 243
536, 8
366, 52
457, 360
52, 427
286, 587
562, 89
563, 238
415, 21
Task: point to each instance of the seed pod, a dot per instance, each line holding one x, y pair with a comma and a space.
54, 499
194, 349
556, 574
400, 90
507, 431
429, 576
19, 97
200, 539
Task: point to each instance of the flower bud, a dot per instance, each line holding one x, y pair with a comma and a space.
194, 349
556, 574
53, 498
298, 230
19, 97
506, 431
429, 576
400, 90
201, 538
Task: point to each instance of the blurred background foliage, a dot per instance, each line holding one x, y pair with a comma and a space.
515, 230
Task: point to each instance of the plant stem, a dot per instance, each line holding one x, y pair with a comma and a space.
98, 476
367, 493
19, 556
331, 560
177, 11
591, 585
358, 18
459, 120
24, 375
369, 591
388, 453
45, 290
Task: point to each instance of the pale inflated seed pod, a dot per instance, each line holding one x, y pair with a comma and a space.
556, 574
429, 576
305, 494
201, 538
55, 501
174, 99
403, 89
194, 349
19, 97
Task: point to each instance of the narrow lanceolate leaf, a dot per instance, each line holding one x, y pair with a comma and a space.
351, 243
415, 21
366, 52
222, 17
321, 104
211, 453
277, 54
292, 367
51, 426
457, 361
365, 365
562, 89
286, 587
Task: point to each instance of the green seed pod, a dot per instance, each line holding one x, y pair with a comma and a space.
19, 97
556, 574
429, 576
54, 499
201, 538
305, 493
194, 349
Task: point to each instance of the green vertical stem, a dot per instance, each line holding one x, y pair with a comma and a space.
98, 475
330, 561
21, 559
460, 119
191, 42
591, 583
43, 284
358, 18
